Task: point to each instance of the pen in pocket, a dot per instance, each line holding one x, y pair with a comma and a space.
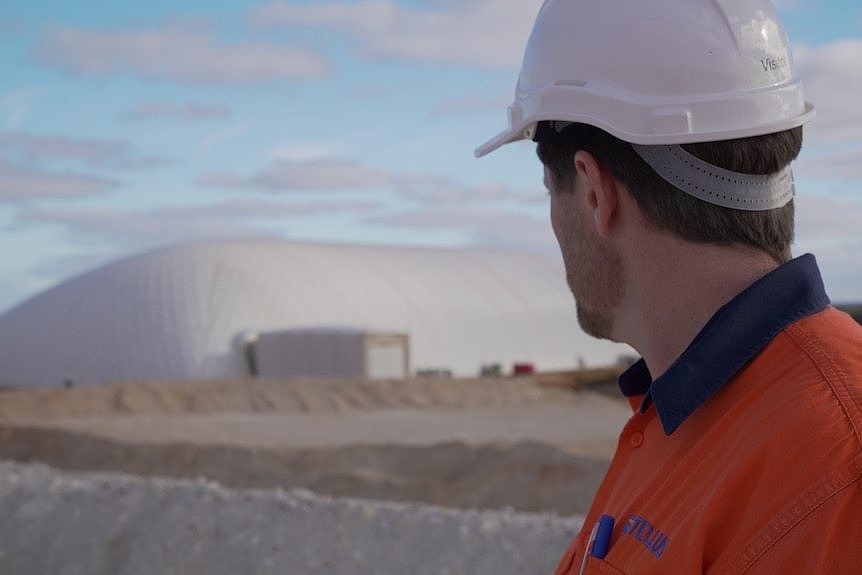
599, 541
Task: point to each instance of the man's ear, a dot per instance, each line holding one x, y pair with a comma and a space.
602, 191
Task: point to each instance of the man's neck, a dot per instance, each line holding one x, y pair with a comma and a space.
675, 288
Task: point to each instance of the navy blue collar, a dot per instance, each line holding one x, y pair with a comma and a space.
730, 339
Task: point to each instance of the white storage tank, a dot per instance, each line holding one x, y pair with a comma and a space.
331, 352
186, 312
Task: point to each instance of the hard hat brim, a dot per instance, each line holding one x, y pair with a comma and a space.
501, 139
519, 131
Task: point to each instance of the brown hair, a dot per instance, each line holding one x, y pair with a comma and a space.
670, 209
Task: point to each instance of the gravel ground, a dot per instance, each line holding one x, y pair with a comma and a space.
530, 477
62, 523
589, 427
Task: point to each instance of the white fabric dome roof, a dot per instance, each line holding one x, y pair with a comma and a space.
175, 312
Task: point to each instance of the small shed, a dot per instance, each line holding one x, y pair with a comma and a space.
330, 352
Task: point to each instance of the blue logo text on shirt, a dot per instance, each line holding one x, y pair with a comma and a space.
647, 533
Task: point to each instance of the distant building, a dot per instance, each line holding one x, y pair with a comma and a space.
182, 312
327, 352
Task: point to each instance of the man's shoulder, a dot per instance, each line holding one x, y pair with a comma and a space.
799, 399
830, 343
807, 377
799, 405
815, 365
825, 346
830, 327
787, 431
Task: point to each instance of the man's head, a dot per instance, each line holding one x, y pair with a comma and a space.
670, 209
693, 109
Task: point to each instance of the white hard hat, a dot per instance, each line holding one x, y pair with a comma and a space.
658, 71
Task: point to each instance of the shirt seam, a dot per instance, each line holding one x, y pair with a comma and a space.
821, 491
811, 345
794, 513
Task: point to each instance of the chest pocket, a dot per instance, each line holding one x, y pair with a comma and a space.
595, 566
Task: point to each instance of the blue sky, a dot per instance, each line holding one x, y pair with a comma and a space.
128, 127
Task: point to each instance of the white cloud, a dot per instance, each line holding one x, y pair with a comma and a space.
483, 227
833, 83
175, 53
469, 106
828, 220
183, 113
287, 175
367, 16
18, 183
436, 190
833, 165
224, 137
306, 151
787, 4
325, 173
829, 227
37, 148
16, 289
15, 107
159, 226
484, 33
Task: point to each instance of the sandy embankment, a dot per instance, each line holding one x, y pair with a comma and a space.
495, 443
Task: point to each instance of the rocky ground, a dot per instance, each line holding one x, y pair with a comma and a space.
108, 524
491, 475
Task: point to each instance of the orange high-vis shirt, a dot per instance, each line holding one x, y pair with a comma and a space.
746, 455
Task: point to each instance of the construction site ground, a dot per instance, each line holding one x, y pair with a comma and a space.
495, 445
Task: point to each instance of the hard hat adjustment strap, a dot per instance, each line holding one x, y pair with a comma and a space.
715, 185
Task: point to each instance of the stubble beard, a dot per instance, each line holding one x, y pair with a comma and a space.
596, 283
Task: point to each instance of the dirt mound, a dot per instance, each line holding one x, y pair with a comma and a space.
479, 443
525, 476
275, 396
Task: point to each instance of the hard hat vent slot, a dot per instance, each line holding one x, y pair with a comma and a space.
672, 122
575, 83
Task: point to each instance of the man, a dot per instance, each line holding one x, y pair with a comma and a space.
666, 130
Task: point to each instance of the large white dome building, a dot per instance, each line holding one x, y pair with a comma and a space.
176, 313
